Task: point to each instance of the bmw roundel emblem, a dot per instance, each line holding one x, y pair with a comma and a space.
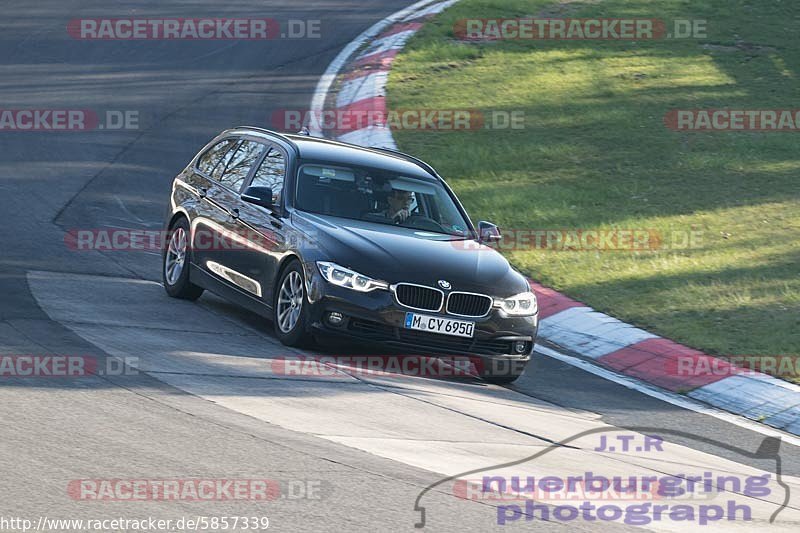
444, 284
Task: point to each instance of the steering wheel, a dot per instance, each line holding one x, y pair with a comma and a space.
418, 221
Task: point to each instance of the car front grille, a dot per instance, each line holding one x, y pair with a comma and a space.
468, 304
418, 297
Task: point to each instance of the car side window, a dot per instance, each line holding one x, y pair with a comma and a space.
223, 163
271, 173
239, 164
209, 160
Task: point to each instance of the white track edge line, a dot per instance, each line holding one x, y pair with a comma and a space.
669, 397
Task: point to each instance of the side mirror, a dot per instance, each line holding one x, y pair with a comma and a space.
488, 232
261, 196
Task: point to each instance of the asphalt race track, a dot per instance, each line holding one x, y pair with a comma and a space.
207, 400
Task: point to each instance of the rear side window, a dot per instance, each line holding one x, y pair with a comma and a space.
209, 160
271, 174
238, 165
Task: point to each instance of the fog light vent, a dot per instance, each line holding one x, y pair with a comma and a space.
335, 319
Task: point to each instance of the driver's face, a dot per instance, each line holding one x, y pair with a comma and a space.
400, 200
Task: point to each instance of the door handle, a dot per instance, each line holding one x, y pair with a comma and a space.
234, 213
202, 192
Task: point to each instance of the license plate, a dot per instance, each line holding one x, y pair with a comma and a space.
435, 324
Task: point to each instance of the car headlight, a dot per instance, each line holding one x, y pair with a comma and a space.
349, 279
523, 304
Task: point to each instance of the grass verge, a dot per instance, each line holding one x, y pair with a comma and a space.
595, 154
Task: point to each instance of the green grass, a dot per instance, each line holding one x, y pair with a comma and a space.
595, 153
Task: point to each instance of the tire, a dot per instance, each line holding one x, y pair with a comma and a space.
502, 371
291, 308
176, 263
500, 380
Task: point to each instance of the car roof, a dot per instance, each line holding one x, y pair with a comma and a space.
317, 149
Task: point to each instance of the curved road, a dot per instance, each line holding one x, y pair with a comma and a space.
347, 451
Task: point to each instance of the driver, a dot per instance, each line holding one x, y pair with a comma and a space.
399, 205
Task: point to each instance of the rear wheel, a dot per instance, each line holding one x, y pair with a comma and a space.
177, 259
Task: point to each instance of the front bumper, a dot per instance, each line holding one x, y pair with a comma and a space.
375, 317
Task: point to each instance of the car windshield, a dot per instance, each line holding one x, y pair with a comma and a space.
380, 196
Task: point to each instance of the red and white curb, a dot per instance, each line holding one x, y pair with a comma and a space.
360, 73
362, 68
638, 354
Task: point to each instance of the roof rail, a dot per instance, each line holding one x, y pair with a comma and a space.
410, 158
281, 136
419, 162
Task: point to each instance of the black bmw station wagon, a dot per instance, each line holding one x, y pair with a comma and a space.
327, 238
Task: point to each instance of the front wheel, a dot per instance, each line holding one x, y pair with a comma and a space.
290, 309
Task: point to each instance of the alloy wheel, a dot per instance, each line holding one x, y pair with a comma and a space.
290, 302
176, 256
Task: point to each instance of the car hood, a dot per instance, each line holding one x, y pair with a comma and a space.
396, 254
